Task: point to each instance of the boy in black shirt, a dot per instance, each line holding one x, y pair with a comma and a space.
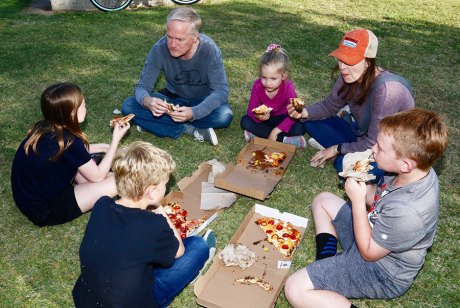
131, 257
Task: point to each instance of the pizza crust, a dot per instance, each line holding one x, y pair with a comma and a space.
248, 280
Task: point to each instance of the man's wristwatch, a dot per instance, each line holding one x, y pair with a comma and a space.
339, 148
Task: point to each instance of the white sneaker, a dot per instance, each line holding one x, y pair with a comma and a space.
139, 129
205, 134
315, 144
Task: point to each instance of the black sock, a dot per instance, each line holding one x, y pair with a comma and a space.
326, 245
353, 306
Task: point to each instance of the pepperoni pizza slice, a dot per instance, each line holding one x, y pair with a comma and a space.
178, 217
281, 234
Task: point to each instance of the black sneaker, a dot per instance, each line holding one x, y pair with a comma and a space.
205, 134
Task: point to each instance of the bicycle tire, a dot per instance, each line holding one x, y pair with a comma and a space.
185, 2
111, 5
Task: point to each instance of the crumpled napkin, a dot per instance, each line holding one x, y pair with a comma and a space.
217, 168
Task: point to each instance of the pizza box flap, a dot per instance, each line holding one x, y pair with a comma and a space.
256, 183
217, 288
193, 183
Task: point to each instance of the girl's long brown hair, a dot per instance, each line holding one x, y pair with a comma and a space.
59, 103
348, 90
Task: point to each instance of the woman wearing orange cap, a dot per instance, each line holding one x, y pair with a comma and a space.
371, 94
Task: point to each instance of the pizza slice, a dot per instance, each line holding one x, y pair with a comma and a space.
178, 217
192, 224
281, 234
276, 158
357, 166
171, 107
248, 280
121, 120
298, 104
262, 109
273, 159
362, 165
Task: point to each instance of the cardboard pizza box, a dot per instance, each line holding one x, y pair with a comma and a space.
190, 197
217, 288
254, 182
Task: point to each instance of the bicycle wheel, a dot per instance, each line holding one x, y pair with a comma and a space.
111, 5
185, 1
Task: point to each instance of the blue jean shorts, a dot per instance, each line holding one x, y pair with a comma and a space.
347, 273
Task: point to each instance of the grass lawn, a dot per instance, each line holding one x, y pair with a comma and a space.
105, 53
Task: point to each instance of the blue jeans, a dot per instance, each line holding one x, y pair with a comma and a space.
332, 131
263, 129
164, 126
169, 282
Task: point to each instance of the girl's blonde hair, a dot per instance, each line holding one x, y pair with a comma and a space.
140, 165
59, 103
274, 54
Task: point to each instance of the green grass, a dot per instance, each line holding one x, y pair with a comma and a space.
104, 53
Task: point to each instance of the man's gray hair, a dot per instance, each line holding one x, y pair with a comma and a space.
186, 14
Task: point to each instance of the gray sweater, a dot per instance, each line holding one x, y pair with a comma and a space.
389, 98
201, 76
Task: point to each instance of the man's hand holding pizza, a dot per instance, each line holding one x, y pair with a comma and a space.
181, 114
157, 106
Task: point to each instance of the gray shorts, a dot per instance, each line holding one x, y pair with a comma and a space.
348, 273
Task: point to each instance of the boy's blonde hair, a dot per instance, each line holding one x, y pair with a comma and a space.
418, 134
139, 165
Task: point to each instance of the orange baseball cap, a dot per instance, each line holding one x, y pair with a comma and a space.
355, 46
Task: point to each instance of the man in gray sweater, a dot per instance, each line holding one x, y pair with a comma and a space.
195, 99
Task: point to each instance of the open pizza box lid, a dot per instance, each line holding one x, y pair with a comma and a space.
190, 197
253, 182
217, 288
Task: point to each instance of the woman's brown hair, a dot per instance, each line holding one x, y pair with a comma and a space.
347, 92
59, 103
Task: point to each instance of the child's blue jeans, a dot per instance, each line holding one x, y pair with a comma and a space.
332, 131
164, 126
169, 282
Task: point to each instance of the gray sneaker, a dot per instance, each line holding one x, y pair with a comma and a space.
139, 129
211, 241
205, 134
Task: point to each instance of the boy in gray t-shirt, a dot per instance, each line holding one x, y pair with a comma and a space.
384, 247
